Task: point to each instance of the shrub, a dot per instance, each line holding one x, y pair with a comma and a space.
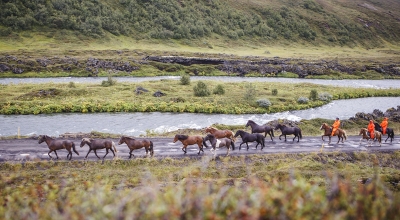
109, 82
302, 100
313, 95
325, 96
275, 92
185, 79
265, 103
219, 90
71, 85
250, 92
201, 89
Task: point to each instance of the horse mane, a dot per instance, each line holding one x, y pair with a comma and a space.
182, 136
130, 138
86, 139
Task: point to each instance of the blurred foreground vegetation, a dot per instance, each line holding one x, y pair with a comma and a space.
335, 185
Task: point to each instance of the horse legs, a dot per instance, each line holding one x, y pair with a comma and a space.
49, 154
88, 153
130, 154
281, 136
240, 146
106, 153
184, 148
96, 153
56, 154
69, 155
112, 151
247, 145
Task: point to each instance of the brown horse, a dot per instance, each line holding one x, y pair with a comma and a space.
189, 140
220, 133
365, 135
328, 131
134, 144
98, 144
55, 145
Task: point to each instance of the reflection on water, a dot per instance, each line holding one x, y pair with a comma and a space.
138, 123
379, 84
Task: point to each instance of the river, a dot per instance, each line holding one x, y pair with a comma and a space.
136, 124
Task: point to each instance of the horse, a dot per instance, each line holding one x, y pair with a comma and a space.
389, 131
55, 145
98, 144
189, 140
365, 135
328, 131
287, 130
134, 144
222, 142
247, 137
220, 133
255, 128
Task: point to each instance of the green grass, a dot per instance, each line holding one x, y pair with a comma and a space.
121, 97
315, 185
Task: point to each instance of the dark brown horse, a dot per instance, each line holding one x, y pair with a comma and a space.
189, 140
389, 132
96, 144
220, 133
365, 135
55, 145
222, 142
255, 128
328, 131
289, 130
247, 137
134, 144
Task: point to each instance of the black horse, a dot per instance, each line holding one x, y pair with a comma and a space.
255, 128
247, 137
289, 130
389, 132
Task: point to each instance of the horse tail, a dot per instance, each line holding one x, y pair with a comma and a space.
233, 145
233, 137
113, 145
272, 132
301, 137
344, 135
204, 143
151, 148
73, 147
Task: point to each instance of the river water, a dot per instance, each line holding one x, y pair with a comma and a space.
378, 84
135, 124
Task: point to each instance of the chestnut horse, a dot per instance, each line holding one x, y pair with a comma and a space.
98, 144
247, 137
55, 145
222, 142
189, 140
220, 133
365, 135
328, 131
134, 144
255, 128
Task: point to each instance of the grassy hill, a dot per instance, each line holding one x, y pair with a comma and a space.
211, 25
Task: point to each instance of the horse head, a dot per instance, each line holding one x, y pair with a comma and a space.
238, 132
323, 126
42, 139
279, 126
249, 123
85, 141
363, 131
121, 140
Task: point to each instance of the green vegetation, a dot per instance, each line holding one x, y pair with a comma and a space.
333, 23
121, 97
201, 89
272, 186
185, 79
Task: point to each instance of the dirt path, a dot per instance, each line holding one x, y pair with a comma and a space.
29, 149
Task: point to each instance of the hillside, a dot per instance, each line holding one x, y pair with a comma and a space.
366, 24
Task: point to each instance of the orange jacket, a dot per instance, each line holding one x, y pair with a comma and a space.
335, 126
371, 129
384, 125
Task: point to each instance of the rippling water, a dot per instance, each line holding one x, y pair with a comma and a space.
137, 123
378, 84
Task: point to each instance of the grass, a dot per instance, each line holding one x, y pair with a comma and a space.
121, 97
315, 185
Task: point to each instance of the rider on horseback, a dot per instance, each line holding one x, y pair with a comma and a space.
384, 125
371, 129
335, 126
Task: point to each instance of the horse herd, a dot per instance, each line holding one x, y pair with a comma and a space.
217, 138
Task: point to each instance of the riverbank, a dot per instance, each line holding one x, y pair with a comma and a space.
172, 96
